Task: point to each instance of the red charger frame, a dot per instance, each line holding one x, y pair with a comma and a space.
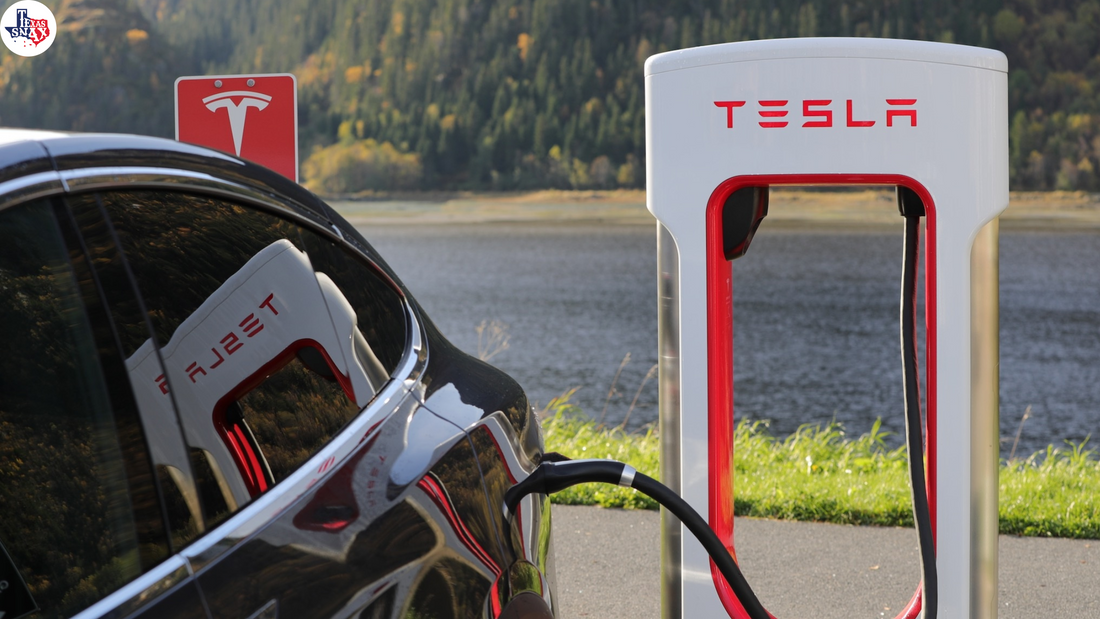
720, 422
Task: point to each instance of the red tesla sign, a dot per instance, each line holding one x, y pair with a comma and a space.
254, 117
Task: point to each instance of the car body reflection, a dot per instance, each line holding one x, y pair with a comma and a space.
271, 311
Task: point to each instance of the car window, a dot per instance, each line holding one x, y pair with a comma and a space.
80, 515
187, 510
378, 308
264, 355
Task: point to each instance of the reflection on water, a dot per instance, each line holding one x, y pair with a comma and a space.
816, 319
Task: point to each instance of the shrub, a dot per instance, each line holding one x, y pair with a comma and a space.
361, 165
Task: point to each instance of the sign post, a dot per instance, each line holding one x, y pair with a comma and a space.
254, 117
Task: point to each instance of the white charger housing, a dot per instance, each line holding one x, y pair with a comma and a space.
930, 117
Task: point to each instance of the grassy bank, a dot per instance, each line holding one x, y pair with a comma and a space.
822, 474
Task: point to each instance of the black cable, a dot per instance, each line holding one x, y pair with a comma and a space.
551, 477
913, 426
702, 532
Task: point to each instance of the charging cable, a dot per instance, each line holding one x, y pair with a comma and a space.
912, 209
551, 477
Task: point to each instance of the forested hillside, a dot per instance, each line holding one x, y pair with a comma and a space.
514, 94
108, 70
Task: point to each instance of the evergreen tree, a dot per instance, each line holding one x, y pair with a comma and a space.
481, 92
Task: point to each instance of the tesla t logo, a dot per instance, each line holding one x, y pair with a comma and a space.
254, 117
776, 113
238, 111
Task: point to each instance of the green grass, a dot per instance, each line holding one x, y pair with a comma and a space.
569, 432
1053, 493
821, 474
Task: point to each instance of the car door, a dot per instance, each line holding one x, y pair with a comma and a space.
82, 529
326, 488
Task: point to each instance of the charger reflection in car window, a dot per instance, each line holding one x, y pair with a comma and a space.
264, 355
273, 311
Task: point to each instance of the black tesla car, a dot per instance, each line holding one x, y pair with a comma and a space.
217, 401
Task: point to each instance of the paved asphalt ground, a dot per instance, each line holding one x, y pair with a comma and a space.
608, 568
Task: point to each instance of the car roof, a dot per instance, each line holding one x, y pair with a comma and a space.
24, 152
9, 136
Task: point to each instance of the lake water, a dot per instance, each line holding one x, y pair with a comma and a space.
816, 334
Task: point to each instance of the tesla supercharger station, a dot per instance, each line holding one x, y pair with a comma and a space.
929, 117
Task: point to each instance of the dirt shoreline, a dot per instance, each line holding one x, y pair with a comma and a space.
869, 209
